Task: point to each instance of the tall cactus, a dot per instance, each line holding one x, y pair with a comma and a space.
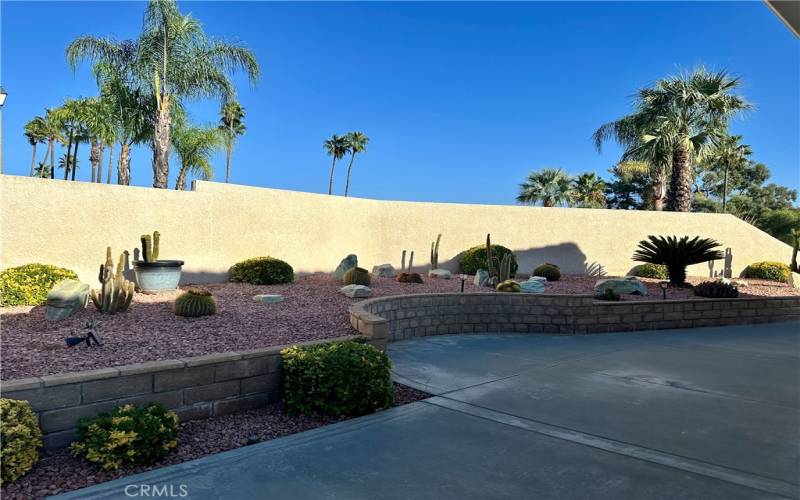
489, 260
435, 253
116, 293
504, 273
411, 261
150, 246
403, 261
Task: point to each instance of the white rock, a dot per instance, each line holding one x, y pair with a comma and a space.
443, 274
384, 271
481, 277
534, 285
356, 291
269, 298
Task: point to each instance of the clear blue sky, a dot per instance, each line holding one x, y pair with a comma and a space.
460, 100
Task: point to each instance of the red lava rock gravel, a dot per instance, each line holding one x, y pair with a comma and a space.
149, 331
59, 472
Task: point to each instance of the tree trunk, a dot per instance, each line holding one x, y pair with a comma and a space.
161, 144
180, 181
75, 159
33, 160
228, 163
547, 202
679, 198
333, 168
102, 149
349, 169
69, 151
110, 160
93, 158
124, 165
658, 193
51, 145
725, 189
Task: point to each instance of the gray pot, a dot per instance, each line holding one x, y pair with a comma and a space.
157, 276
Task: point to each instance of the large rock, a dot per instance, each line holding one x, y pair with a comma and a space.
384, 271
534, 285
356, 291
481, 277
345, 265
627, 285
442, 274
66, 298
269, 298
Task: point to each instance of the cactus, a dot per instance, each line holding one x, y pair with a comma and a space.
435, 253
499, 269
356, 276
116, 293
150, 246
509, 286
504, 271
403, 261
195, 303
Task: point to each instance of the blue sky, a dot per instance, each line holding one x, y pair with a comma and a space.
460, 100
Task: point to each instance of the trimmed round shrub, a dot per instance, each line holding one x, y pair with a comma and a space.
261, 271
509, 286
338, 378
716, 290
195, 303
655, 271
128, 436
549, 271
409, 278
28, 285
21, 438
775, 271
475, 258
356, 276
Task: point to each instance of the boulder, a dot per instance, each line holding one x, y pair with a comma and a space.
534, 285
66, 298
356, 291
481, 277
345, 265
442, 274
627, 285
384, 271
269, 298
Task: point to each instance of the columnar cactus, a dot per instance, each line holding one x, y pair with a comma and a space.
150, 246
435, 253
504, 273
410, 262
403, 261
116, 293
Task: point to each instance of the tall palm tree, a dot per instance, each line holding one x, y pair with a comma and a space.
356, 143
98, 120
52, 129
550, 186
336, 147
194, 147
36, 133
68, 116
728, 152
589, 191
172, 59
231, 125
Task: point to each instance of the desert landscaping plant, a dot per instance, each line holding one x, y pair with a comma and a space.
549, 271
116, 293
435, 252
475, 258
409, 278
356, 276
21, 438
261, 271
655, 271
194, 303
716, 290
28, 285
677, 253
773, 271
509, 286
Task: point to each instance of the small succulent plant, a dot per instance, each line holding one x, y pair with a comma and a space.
716, 290
195, 303
509, 286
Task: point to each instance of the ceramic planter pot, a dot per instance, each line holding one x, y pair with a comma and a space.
157, 276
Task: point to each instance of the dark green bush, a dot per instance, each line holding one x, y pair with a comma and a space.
475, 258
655, 271
28, 285
21, 438
261, 271
775, 271
549, 271
716, 290
337, 378
609, 295
130, 435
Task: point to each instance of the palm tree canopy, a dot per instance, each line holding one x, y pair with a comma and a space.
356, 142
549, 186
588, 191
336, 146
36, 130
195, 146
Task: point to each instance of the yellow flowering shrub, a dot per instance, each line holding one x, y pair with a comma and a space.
20, 436
28, 285
130, 435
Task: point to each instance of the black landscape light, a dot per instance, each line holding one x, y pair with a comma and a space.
463, 279
664, 285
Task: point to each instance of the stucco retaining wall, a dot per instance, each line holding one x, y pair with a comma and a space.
216, 225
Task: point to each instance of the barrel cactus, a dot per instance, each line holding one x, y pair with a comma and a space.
195, 303
356, 276
509, 286
549, 271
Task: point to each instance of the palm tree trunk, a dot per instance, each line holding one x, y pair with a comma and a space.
161, 144
52, 148
725, 189
75, 159
33, 160
658, 193
124, 165
101, 149
349, 168
333, 168
66, 163
110, 160
180, 181
228, 163
548, 202
93, 159
679, 198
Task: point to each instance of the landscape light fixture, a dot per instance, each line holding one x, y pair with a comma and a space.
463, 279
664, 285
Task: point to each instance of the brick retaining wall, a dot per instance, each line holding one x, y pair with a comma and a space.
408, 316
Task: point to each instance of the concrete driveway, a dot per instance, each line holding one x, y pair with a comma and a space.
695, 414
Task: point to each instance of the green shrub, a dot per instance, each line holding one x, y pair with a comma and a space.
195, 303
475, 258
549, 271
608, 295
130, 435
716, 290
261, 271
28, 285
775, 271
356, 276
337, 378
21, 438
655, 271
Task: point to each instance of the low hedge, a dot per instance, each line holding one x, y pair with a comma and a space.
775, 271
21, 439
338, 378
28, 285
261, 271
469, 261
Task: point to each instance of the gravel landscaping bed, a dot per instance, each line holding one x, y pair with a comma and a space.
313, 309
59, 472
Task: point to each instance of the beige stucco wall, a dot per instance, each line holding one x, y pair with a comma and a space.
71, 223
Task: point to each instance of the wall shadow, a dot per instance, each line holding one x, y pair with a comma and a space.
568, 256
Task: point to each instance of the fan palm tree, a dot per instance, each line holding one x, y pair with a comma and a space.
232, 125
36, 133
356, 143
728, 152
550, 186
336, 147
194, 147
172, 59
589, 191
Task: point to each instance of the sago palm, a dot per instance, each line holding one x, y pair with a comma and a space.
677, 253
356, 143
232, 126
589, 191
194, 147
336, 147
550, 186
